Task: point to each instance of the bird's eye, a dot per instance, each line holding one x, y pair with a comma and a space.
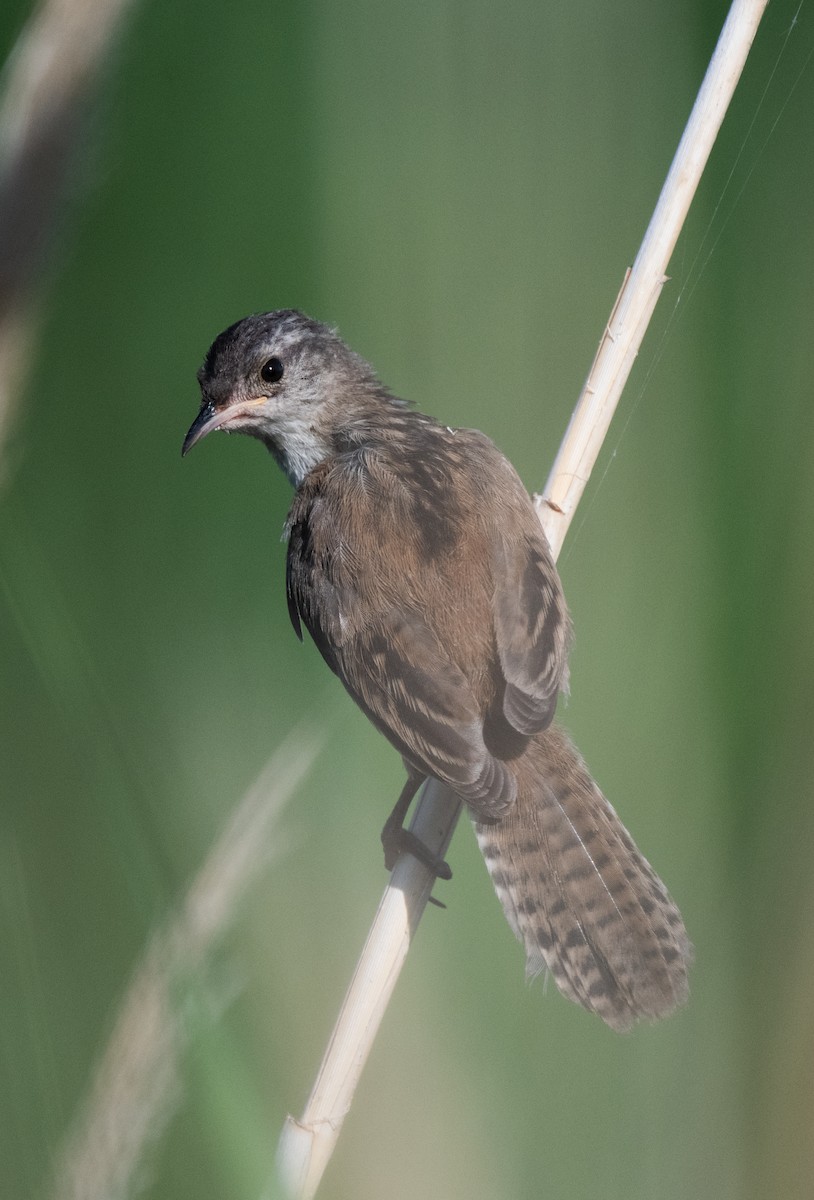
271, 371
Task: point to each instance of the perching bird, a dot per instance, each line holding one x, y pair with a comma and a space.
418, 565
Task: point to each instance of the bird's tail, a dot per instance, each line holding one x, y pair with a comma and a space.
580, 896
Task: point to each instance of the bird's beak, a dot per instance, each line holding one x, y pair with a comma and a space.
207, 420
210, 418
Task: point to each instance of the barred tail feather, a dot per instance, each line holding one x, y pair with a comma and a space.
578, 894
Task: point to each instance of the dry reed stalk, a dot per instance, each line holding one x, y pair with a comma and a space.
306, 1144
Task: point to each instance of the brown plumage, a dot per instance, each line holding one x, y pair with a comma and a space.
418, 565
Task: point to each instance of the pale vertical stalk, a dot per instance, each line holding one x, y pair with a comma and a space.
642, 286
47, 81
307, 1144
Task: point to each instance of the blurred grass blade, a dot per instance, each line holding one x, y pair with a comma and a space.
137, 1084
48, 79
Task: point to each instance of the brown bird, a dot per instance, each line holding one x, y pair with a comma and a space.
418, 565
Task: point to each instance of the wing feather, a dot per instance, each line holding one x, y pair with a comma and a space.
399, 674
532, 626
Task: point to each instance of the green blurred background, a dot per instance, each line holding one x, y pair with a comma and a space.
459, 187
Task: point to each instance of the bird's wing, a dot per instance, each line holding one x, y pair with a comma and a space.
401, 677
532, 627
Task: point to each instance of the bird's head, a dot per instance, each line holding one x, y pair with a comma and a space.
284, 379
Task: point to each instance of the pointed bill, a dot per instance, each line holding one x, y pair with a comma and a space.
210, 418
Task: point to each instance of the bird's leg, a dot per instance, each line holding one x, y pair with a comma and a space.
397, 840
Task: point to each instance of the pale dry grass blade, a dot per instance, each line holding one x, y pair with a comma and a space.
136, 1086
47, 82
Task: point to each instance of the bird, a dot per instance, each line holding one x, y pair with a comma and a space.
418, 566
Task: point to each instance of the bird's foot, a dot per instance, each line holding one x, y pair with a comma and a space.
397, 840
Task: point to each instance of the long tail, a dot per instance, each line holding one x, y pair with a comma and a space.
580, 896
